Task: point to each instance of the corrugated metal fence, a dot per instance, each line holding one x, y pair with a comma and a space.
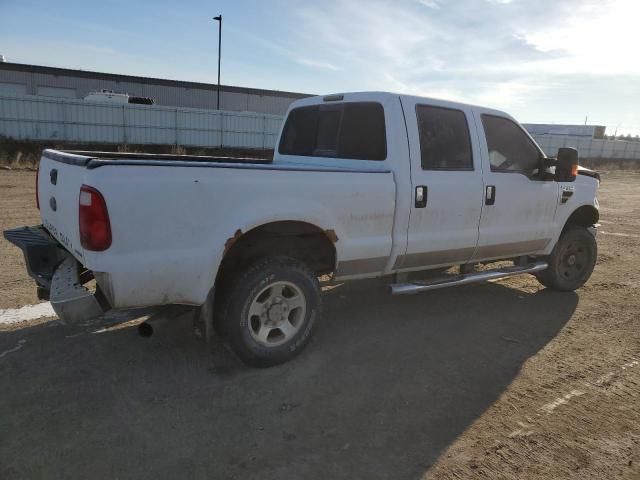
30, 117
589, 147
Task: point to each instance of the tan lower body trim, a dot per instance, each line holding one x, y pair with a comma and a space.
361, 266
505, 250
413, 260
463, 255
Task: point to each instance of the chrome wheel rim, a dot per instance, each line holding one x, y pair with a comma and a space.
276, 313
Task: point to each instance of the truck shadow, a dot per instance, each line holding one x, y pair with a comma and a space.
387, 384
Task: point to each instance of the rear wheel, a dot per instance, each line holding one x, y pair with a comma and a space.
572, 260
269, 313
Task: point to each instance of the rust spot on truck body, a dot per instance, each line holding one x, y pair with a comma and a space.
332, 235
231, 240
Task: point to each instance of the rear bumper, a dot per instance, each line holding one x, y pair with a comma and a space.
57, 272
42, 252
71, 300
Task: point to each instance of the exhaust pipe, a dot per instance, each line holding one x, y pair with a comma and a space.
145, 330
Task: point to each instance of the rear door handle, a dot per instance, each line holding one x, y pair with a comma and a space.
421, 196
490, 195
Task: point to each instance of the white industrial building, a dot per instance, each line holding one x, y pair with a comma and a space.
54, 105
21, 79
589, 131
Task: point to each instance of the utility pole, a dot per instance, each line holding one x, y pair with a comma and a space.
219, 20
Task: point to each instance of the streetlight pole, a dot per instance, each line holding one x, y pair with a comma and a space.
219, 20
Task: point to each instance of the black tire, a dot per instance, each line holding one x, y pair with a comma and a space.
571, 262
241, 330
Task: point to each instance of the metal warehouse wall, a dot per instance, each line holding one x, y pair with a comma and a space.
589, 147
66, 83
37, 118
29, 117
592, 131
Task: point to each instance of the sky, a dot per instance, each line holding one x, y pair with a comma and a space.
546, 61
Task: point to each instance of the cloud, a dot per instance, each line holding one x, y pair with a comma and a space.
317, 64
507, 54
286, 52
430, 3
68, 54
541, 60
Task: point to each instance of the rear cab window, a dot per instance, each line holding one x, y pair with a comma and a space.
348, 130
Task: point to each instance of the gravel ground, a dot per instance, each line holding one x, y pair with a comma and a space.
17, 207
500, 380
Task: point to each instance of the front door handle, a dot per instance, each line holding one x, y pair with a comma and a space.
421, 196
490, 195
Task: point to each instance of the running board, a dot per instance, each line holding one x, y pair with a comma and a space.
465, 278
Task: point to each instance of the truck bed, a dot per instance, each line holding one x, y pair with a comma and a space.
172, 217
86, 157
92, 160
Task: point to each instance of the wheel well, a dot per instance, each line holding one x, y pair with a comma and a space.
584, 216
303, 241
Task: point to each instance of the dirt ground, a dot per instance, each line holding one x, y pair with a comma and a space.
504, 380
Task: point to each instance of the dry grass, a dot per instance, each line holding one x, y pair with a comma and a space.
21, 155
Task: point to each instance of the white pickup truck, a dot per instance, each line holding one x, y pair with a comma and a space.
361, 185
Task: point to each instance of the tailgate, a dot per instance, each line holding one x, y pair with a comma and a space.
58, 191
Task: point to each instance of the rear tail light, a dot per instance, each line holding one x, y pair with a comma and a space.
95, 228
37, 195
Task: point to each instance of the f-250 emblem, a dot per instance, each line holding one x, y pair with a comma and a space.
567, 192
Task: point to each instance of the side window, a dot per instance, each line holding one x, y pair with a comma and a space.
350, 130
510, 150
444, 139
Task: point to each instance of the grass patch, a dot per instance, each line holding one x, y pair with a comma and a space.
23, 155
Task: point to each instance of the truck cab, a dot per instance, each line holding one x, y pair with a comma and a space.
471, 184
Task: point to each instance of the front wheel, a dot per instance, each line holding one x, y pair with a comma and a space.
572, 260
269, 313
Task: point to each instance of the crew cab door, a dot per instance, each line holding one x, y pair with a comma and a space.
518, 206
446, 182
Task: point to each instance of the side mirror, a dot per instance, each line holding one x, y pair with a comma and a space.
566, 165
